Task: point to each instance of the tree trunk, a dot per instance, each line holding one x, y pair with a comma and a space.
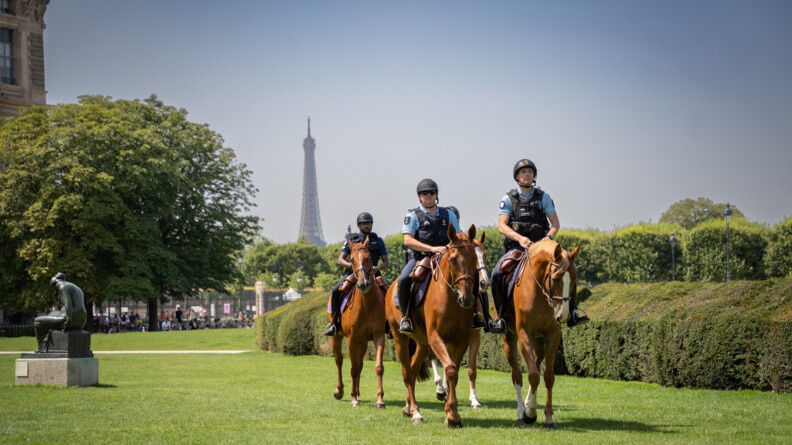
153, 314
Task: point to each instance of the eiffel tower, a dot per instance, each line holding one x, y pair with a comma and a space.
310, 222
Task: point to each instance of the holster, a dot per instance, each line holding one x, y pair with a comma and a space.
349, 282
510, 260
421, 268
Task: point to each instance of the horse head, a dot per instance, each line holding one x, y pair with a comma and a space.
360, 257
462, 264
555, 274
481, 259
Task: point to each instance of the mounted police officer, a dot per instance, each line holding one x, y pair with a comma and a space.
527, 215
425, 233
378, 252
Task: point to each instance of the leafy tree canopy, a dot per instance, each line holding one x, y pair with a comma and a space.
689, 213
127, 197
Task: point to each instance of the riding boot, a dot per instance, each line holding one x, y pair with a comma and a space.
405, 326
478, 319
484, 299
333, 327
498, 325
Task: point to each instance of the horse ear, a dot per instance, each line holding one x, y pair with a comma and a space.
451, 233
472, 231
483, 233
574, 253
366, 242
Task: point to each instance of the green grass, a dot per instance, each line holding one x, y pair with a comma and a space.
257, 397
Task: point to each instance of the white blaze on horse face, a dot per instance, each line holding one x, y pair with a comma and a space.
567, 280
482, 270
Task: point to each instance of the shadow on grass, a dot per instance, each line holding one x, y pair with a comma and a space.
103, 385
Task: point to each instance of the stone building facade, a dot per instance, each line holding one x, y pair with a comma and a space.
21, 54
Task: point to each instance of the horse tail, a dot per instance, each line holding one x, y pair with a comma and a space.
423, 371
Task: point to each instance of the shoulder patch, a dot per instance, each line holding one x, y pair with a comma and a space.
407, 220
502, 204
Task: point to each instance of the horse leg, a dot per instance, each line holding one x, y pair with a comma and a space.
552, 341
415, 367
452, 377
440, 388
510, 348
529, 354
402, 345
379, 368
339, 360
475, 343
357, 350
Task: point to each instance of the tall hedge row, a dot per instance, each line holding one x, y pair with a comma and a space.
699, 335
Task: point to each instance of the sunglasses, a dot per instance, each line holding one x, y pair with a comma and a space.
428, 192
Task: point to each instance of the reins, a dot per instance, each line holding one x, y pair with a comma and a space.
436, 266
550, 298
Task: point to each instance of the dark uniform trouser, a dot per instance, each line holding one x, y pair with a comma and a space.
403, 287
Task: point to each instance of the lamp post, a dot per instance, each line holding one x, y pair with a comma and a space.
727, 213
672, 240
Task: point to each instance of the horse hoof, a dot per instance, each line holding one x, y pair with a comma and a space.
475, 405
450, 424
529, 420
550, 426
441, 396
406, 413
355, 404
417, 420
338, 395
380, 406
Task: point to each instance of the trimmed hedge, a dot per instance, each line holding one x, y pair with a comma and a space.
732, 335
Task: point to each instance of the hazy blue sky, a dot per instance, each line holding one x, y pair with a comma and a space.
625, 106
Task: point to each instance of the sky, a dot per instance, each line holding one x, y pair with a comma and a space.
626, 107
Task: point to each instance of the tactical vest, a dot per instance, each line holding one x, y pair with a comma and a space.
431, 230
527, 217
373, 247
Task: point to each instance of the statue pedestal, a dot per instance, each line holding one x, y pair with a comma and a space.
68, 361
57, 371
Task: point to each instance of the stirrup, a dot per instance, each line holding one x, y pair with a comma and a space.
405, 326
330, 330
498, 326
577, 318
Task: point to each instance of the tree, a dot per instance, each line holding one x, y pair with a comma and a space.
128, 198
689, 213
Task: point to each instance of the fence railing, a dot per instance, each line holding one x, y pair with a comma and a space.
17, 330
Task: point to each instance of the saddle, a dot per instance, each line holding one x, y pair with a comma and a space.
511, 269
347, 289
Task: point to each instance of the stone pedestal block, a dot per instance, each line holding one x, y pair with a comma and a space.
57, 371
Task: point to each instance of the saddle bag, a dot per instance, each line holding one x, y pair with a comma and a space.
420, 270
380, 280
510, 260
349, 282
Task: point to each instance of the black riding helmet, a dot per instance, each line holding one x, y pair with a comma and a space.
426, 184
522, 163
365, 217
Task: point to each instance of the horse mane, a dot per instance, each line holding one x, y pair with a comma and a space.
551, 249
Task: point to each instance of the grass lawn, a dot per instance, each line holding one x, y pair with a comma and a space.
257, 397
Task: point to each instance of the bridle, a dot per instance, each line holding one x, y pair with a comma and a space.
361, 269
552, 300
435, 266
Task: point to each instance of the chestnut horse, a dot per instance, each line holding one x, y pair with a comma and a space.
475, 335
446, 322
361, 322
540, 302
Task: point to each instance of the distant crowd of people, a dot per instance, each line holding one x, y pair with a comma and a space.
172, 320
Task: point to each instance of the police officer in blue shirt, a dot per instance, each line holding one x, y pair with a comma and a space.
378, 252
527, 214
425, 233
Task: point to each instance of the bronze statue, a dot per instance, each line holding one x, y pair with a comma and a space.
72, 314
